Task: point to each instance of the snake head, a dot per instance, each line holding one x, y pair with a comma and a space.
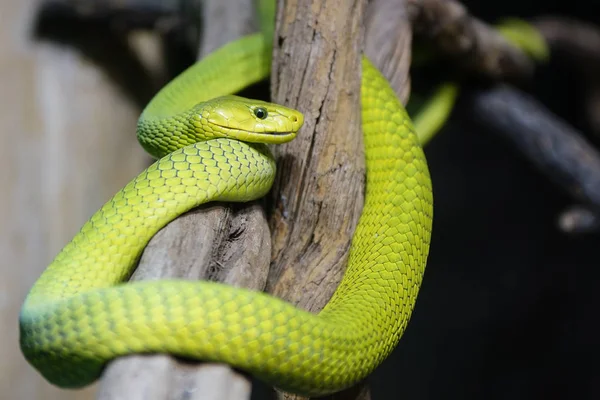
247, 120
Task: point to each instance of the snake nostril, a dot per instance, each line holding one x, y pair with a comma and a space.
294, 118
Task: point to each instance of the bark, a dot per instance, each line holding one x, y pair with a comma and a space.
318, 196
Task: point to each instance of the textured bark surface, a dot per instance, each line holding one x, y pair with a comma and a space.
321, 173
319, 192
225, 243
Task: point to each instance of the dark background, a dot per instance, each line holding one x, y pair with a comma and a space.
509, 304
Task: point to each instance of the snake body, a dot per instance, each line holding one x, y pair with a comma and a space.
81, 313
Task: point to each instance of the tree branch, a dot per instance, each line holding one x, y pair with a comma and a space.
558, 150
470, 43
580, 39
225, 243
579, 42
388, 42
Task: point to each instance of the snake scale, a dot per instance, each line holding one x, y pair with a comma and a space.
211, 145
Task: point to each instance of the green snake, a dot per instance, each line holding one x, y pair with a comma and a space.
212, 146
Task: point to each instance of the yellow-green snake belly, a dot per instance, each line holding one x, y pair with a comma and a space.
81, 314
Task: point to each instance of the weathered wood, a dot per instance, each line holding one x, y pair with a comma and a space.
222, 243
578, 38
468, 41
318, 196
388, 42
225, 243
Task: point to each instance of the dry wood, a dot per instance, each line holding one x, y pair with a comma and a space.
388, 42
470, 42
225, 243
318, 196
217, 242
580, 39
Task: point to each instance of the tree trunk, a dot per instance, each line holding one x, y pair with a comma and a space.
318, 195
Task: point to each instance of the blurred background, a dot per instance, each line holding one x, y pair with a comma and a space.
509, 305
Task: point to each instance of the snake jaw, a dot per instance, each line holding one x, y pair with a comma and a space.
269, 137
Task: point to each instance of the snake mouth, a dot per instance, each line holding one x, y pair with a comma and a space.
258, 137
255, 133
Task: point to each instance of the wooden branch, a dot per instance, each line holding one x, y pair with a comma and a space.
388, 42
223, 243
468, 41
318, 195
578, 38
558, 150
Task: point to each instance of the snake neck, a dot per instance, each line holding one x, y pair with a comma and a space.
167, 122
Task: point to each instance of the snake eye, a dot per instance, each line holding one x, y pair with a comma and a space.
260, 113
